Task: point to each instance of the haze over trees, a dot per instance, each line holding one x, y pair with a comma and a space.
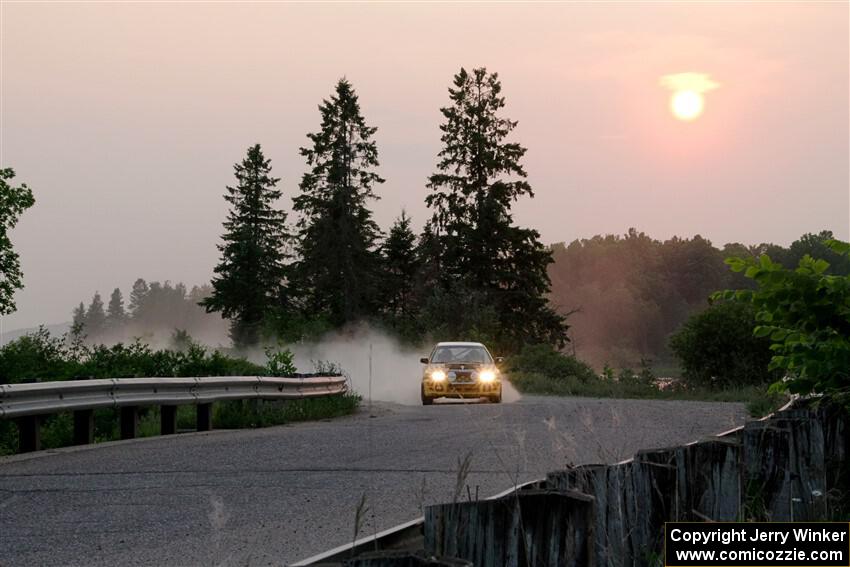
631, 292
13, 202
158, 312
470, 274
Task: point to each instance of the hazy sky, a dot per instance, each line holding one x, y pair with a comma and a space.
125, 119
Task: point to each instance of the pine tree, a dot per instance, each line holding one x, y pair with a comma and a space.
137, 297
339, 264
13, 202
115, 314
78, 322
482, 252
95, 317
249, 280
400, 267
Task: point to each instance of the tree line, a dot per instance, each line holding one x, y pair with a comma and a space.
629, 293
471, 273
153, 308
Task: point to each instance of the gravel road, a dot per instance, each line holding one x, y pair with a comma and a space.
277, 495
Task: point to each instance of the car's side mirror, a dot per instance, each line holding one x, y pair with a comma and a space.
500, 359
424, 360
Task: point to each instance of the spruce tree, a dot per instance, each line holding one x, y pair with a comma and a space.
95, 317
249, 280
483, 254
78, 320
115, 314
400, 267
339, 262
137, 297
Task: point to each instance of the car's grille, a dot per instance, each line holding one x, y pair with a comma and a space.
463, 377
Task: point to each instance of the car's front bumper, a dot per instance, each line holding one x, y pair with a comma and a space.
447, 389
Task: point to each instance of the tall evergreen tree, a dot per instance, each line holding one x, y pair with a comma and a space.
479, 178
400, 267
13, 202
115, 314
339, 261
95, 317
249, 280
78, 320
137, 296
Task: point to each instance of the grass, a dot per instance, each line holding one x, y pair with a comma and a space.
758, 401
258, 413
58, 430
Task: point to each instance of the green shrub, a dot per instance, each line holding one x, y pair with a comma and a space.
544, 359
34, 357
717, 349
805, 315
40, 357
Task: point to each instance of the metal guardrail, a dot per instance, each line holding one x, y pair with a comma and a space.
26, 403
20, 400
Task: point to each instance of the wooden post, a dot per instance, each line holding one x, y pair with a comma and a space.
167, 420
83, 427
129, 422
204, 421
29, 433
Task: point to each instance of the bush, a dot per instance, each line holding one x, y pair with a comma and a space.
544, 359
717, 349
805, 314
39, 357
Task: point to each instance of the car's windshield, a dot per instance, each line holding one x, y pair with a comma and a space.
471, 354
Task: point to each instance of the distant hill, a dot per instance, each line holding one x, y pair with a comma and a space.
57, 330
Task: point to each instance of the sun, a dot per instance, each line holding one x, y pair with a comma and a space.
688, 98
686, 105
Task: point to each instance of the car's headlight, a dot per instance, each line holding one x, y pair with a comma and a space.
438, 375
487, 376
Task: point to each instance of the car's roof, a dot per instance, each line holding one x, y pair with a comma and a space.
451, 344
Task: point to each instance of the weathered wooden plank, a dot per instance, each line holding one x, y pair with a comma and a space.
708, 481
836, 440
541, 528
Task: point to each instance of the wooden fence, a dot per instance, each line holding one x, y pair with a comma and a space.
792, 466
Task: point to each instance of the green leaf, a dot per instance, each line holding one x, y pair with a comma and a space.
839, 247
762, 331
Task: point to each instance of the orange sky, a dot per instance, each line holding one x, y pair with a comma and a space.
125, 119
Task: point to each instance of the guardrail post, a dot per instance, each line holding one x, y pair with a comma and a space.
29, 432
204, 422
83, 427
129, 422
167, 420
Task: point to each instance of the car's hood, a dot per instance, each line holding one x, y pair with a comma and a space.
460, 366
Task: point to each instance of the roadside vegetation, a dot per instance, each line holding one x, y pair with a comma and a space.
39, 356
543, 370
786, 332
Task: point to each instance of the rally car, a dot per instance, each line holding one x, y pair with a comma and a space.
460, 370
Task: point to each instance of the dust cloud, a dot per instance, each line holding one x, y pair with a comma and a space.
396, 372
